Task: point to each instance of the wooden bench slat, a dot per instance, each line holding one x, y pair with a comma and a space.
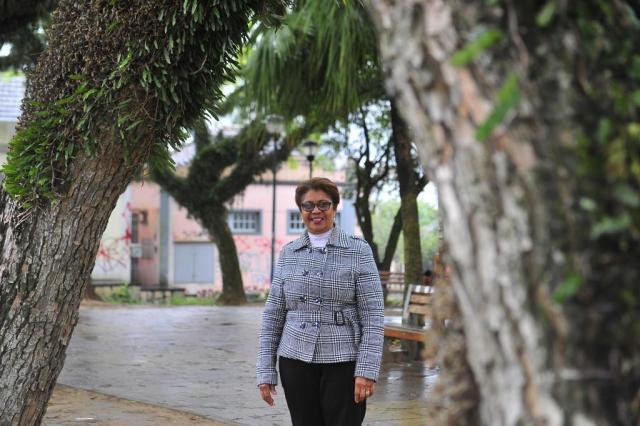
420, 310
420, 299
416, 335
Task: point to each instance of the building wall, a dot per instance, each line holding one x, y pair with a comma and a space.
7, 130
254, 249
113, 262
145, 208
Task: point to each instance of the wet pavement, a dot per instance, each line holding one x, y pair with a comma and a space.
202, 360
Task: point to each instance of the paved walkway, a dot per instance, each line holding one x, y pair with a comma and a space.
201, 360
71, 407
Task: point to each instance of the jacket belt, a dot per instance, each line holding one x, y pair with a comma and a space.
339, 317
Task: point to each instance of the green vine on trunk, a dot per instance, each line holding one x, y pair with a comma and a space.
160, 69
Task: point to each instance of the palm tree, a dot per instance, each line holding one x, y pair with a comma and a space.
323, 64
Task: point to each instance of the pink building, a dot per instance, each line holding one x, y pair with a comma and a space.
170, 248
151, 241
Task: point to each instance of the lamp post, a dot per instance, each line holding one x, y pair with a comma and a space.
311, 147
275, 126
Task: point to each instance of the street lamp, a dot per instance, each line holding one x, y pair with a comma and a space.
311, 147
275, 126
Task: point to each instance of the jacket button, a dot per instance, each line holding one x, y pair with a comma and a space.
303, 298
319, 274
315, 324
317, 300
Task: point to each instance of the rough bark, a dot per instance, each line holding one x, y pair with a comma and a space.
232, 288
48, 248
46, 263
405, 169
508, 208
488, 244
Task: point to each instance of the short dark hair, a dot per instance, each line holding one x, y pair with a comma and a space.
318, 184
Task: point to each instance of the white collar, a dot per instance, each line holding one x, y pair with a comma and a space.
320, 240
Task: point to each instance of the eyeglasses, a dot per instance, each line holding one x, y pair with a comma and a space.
309, 206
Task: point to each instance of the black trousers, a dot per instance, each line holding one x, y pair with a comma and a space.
321, 394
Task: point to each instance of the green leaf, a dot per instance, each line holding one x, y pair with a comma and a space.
89, 93
134, 125
604, 130
635, 97
508, 97
567, 288
474, 48
68, 152
627, 195
611, 225
635, 67
546, 14
587, 204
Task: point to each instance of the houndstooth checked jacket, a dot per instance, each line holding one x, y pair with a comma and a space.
325, 306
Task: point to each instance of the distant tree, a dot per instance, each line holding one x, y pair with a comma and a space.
373, 167
323, 63
384, 217
221, 169
117, 83
527, 117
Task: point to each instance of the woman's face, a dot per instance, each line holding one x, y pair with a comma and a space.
318, 221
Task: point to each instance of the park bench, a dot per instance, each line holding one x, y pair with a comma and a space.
392, 282
159, 294
416, 314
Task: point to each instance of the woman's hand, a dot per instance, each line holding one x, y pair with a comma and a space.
266, 390
364, 389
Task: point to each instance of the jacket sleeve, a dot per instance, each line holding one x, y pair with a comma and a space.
273, 319
370, 304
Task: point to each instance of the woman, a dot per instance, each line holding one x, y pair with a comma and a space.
324, 318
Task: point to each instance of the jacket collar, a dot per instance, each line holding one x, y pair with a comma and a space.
338, 238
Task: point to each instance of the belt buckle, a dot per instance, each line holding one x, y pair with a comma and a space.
341, 318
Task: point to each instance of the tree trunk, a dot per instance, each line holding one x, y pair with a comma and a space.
46, 263
107, 92
488, 224
232, 287
392, 242
405, 168
509, 205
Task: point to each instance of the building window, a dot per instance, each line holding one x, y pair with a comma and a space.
244, 221
295, 225
294, 222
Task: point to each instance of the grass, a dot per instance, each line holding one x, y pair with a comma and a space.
182, 300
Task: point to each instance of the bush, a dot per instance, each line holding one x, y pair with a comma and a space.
120, 295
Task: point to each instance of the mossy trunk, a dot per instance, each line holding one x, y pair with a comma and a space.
107, 93
45, 266
522, 135
232, 286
